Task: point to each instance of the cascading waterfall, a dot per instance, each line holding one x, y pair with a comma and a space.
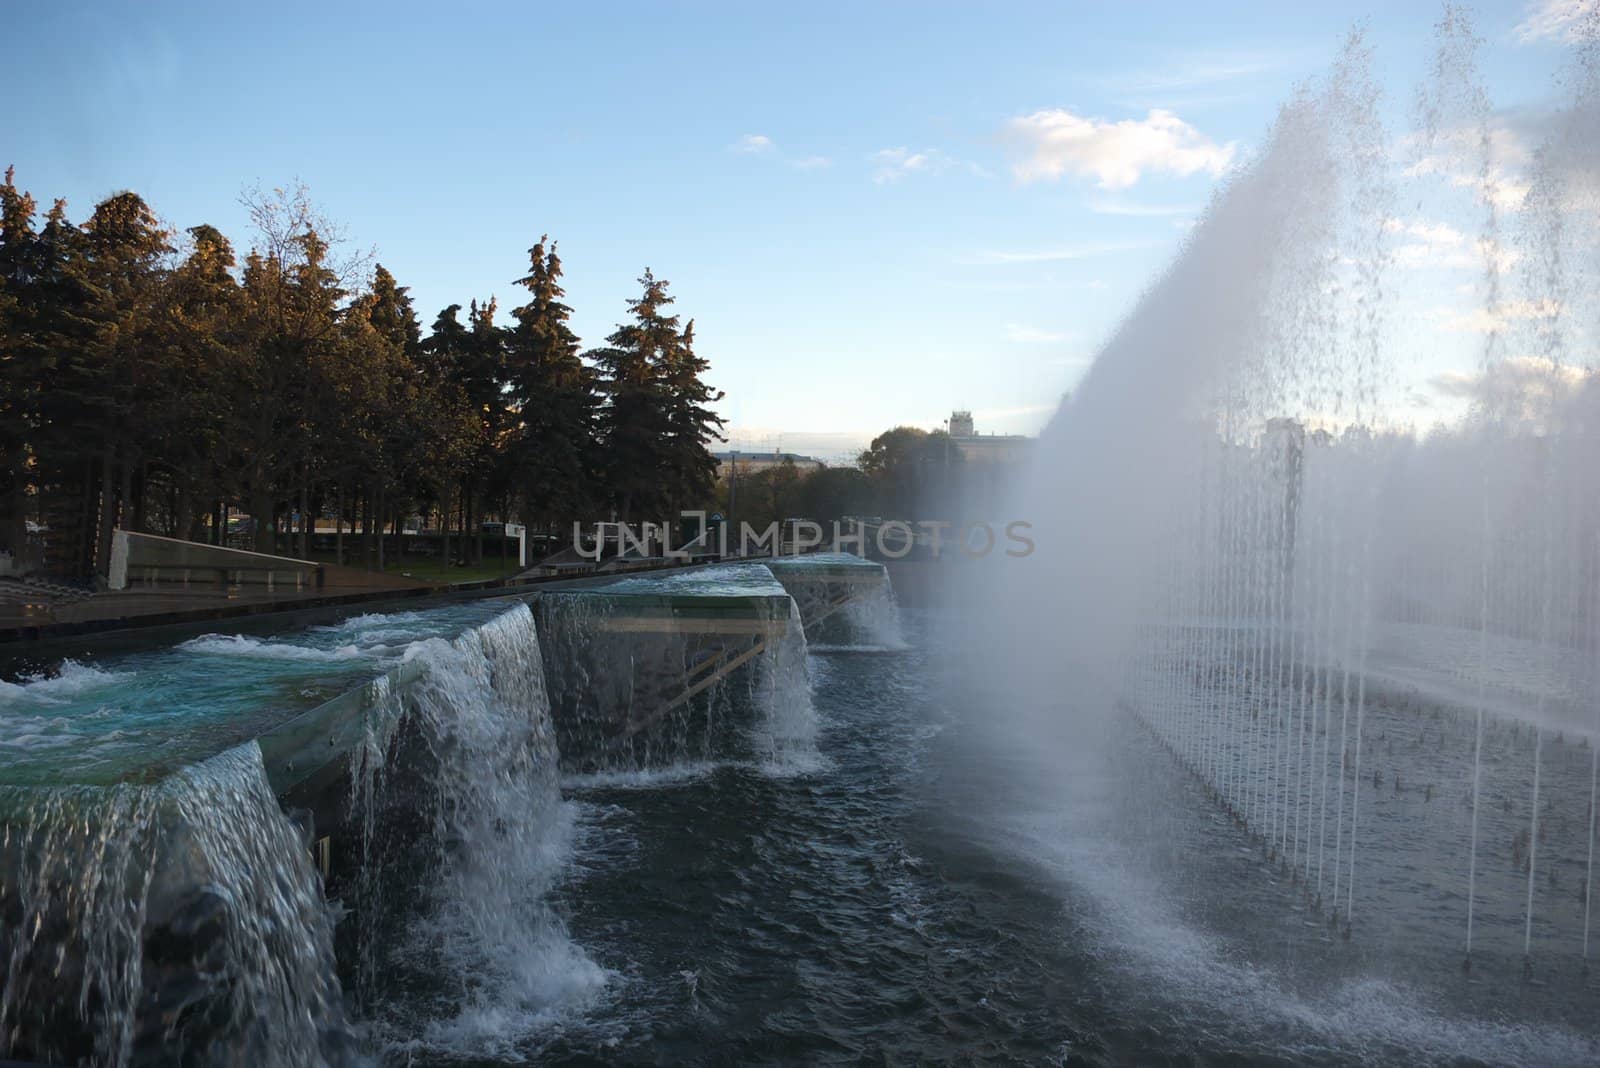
784, 735
617, 693
653, 671
99, 844
145, 924
874, 619
473, 957
185, 918
846, 602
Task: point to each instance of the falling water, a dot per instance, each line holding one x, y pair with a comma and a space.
1372, 647
847, 602
874, 620
652, 671
149, 923
784, 735
458, 796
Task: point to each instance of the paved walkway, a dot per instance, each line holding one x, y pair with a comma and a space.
118, 609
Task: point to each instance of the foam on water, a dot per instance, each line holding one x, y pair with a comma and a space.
72, 679
642, 778
151, 711
240, 645
376, 621
1197, 973
716, 579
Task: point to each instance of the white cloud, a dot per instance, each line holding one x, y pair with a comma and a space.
1032, 335
1483, 321
893, 164
762, 145
1457, 155
1115, 154
1194, 71
1429, 233
1568, 20
1429, 245
1435, 245
1521, 388
1439, 247
1081, 251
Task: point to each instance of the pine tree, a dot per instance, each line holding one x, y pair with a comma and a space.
552, 394
23, 362
689, 469
392, 313
633, 423
141, 387
202, 305
127, 246
445, 348
71, 440
657, 421
291, 317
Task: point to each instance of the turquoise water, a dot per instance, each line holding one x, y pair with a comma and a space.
142, 714
723, 580
825, 560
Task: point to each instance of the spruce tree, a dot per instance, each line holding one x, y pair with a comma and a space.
71, 440
634, 421
23, 362
392, 313
291, 297
552, 395
657, 422
126, 366
689, 469
202, 307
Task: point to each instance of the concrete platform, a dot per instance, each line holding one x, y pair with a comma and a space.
178, 607
677, 645
824, 583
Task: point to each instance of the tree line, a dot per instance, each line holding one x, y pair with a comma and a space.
151, 380
905, 473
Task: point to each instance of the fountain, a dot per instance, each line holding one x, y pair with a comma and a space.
156, 898
845, 602
702, 648
147, 923
1373, 649
227, 845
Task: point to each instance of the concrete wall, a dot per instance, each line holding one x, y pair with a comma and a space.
148, 559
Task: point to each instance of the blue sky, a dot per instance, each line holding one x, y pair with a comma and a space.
858, 203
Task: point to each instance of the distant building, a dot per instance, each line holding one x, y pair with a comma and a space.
751, 463
986, 448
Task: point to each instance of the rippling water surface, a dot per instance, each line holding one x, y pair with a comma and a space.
150, 711
938, 890
958, 875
